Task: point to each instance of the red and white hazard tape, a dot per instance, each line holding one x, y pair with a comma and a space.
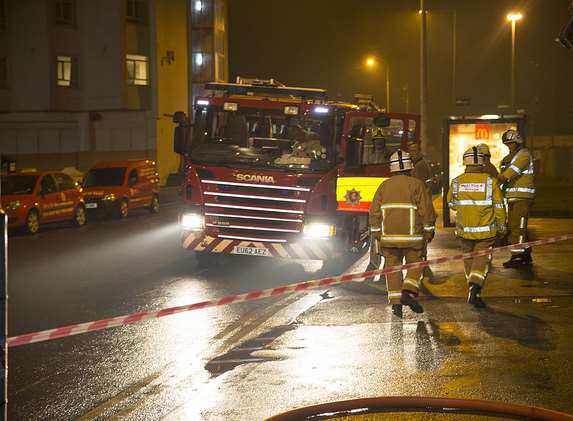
76, 329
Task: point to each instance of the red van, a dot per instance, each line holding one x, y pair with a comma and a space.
32, 198
119, 186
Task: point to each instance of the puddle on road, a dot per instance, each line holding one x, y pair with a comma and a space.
241, 354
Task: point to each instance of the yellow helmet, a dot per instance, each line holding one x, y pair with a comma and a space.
483, 148
400, 161
473, 156
511, 136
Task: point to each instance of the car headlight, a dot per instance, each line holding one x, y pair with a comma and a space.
13, 205
192, 221
319, 230
110, 197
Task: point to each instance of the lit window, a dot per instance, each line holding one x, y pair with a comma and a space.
198, 6
137, 70
64, 70
199, 59
65, 12
136, 10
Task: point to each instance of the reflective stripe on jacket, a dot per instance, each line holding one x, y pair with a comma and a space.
517, 169
478, 202
401, 211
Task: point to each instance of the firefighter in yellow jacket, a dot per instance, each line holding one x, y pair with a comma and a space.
518, 186
402, 218
480, 218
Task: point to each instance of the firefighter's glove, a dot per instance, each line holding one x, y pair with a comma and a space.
501, 231
429, 235
375, 235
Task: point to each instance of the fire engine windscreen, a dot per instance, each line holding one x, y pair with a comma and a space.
264, 138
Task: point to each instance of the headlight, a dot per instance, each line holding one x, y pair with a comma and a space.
109, 197
13, 205
192, 221
319, 230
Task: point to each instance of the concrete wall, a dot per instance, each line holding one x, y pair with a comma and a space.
553, 155
102, 61
171, 65
29, 55
57, 140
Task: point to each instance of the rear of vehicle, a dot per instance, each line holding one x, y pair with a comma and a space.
34, 198
120, 186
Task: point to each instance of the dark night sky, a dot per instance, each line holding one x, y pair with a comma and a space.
322, 43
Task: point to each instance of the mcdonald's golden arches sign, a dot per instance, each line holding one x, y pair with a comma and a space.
482, 131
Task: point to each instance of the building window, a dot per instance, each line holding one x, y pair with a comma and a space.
136, 10
3, 72
137, 70
65, 70
66, 12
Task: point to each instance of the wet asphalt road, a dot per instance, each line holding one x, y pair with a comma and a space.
248, 361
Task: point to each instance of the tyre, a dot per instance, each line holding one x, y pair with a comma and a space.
32, 222
80, 217
122, 209
154, 207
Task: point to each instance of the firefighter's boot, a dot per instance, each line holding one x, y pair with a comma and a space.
408, 299
397, 310
474, 296
518, 260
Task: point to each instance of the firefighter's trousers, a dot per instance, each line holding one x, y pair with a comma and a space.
395, 282
517, 215
476, 268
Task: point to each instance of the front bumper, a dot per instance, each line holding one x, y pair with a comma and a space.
100, 207
303, 249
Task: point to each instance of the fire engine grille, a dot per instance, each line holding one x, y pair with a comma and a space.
257, 212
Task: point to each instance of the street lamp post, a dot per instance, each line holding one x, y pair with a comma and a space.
513, 18
371, 63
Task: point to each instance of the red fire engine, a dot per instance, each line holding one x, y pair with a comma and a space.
280, 171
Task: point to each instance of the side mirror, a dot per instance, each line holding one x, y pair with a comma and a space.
179, 117
180, 140
381, 120
132, 181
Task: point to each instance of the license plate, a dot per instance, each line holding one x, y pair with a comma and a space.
251, 251
91, 205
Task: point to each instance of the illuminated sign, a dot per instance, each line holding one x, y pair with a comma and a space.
482, 131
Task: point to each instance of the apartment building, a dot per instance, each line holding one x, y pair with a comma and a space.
89, 80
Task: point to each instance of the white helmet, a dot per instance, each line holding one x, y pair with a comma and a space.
511, 136
400, 161
473, 156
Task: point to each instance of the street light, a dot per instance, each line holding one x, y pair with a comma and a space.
513, 18
370, 62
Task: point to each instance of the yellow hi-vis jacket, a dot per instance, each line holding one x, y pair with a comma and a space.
478, 202
517, 174
401, 211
